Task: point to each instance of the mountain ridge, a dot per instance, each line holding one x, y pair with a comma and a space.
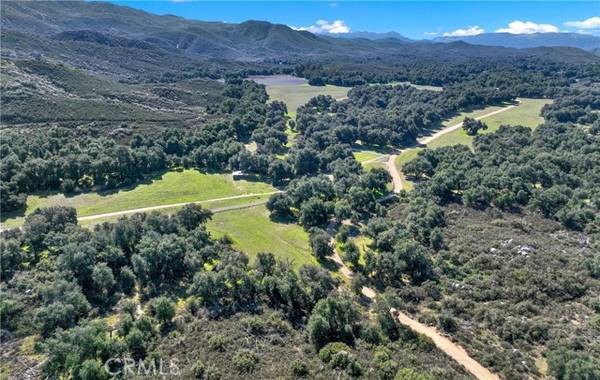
520, 41
86, 34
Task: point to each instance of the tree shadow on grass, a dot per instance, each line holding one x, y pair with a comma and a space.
283, 219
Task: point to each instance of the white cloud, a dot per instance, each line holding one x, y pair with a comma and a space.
527, 27
470, 31
590, 23
324, 26
431, 33
333, 5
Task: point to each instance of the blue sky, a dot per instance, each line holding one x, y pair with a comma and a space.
414, 19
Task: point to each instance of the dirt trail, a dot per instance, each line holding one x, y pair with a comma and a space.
152, 208
391, 162
444, 344
451, 349
426, 140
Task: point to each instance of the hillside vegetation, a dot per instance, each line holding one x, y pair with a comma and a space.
109, 109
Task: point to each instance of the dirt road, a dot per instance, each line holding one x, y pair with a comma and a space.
391, 162
152, 208
451, 349
394, 173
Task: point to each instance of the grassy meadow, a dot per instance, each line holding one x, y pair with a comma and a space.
527, 114
168, 188
215, 206
366, 155
252, 231
295, 92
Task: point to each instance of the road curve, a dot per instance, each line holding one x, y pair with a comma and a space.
394, 173
391, 162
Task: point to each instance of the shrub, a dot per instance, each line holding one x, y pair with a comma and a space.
326, 353
164, 309
447, 322
371, 333
571, 365
193, 305
68, 186
216, 343
411, 374
199, 370
299, 368
245, 361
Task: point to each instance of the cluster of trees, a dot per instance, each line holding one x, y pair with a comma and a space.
400, 247
578, 105
472, 126
389, 115
90, 274
552, 170
351, 194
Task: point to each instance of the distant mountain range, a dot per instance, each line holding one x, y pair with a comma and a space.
581, 41
518, 41
110, 38
370, 36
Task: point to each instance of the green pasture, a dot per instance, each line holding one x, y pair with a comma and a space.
252, 231
168, 188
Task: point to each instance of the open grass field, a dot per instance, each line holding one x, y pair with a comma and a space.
365, 155
211, 205
253, 231
373, 164
291, 135
527, 114
171, 187
403, 158
366, 158
295, 92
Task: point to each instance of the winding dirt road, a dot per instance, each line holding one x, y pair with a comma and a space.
451, 349
391, 162
444, 344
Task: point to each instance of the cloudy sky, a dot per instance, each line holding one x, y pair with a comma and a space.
414, 19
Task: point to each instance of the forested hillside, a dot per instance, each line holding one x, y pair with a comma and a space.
496, 248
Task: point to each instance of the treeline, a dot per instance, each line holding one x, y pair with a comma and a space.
389, 115
350, 194
578, 105
525, 77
